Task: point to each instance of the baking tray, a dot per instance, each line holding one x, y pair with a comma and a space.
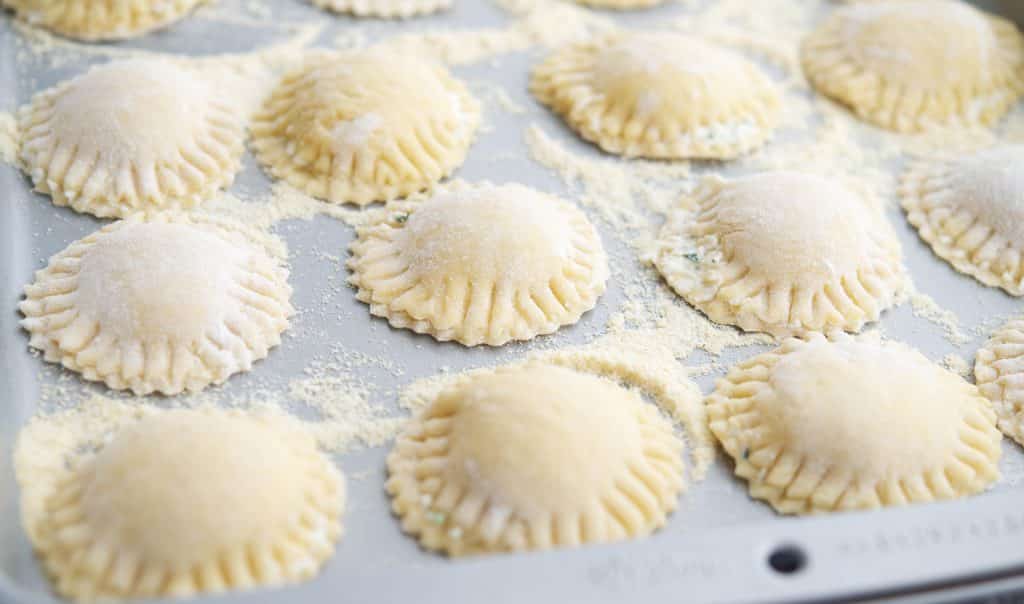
715, 547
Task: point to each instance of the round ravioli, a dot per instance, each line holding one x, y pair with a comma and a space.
131, 136
534, 457
818, 426
189, 502
783, 253
94, 20
388, 9
659, 95
910, 64
970, 210
166, 306
482, 264
999, 373
365, 126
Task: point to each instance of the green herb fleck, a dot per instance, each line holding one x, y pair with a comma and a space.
692, 257
436, 517
746, 453
401, 218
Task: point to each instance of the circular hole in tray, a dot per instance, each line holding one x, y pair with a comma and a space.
787, 559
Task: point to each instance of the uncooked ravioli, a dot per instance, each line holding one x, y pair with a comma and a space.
659, 95
170, 305
820, 426
999, 373
908, 65
365, 126
101, 19
480, 264
534, 457
970, 210
384, 8
781, 252
131, 136
188, 502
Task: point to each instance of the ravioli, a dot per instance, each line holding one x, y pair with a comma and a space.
95, 20
970, 210
818, 426
999, 373
910, 65
480, 264
171, 305
390, 9
131, 136
659, 95
187, 502
534, 457
365, 126
784, 253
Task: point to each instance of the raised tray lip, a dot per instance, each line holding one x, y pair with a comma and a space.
969, 552
973, 546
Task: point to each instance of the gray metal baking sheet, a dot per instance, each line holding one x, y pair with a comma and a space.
715, 546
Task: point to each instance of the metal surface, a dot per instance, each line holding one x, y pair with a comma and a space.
717, 544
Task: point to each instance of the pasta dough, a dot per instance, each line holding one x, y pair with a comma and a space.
818, 426
533, 457
188, 502
166, 306
384, 8
970, 210
480, 264
659, 95
781, 252
999, 373
365, 126
101, 19
911, 64
130, 136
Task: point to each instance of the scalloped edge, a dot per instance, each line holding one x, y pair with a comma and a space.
275, 152
733, 421
55, 330
74, 573
439, 523
884, 104
561, 82
930, 206
999, 373
103, 189
76, 27
556, 312
849, 303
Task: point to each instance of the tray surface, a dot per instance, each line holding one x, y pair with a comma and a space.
716, 545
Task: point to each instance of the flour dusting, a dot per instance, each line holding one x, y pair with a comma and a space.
957, 364
544, 24
284, 202
925, 307
347, 418
651, 335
